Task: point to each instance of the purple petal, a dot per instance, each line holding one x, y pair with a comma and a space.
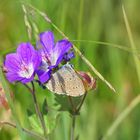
36, 60
44, 76
43, 56
25, 80
26, 51
61, 48
69, 56
12, 62
47, 41
21, 66
12, 77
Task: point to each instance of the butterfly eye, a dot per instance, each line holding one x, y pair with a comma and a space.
71, 66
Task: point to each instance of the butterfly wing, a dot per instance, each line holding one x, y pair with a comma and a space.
66, 81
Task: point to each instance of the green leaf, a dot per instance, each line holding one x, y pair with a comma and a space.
65, 104
7, 92
50, 115
51, 121
29, 112
35, 124
45, 107
77, 137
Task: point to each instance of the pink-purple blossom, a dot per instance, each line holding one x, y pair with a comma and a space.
21, 66
26, 62
51, 54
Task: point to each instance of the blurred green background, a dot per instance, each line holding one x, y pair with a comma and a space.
97, 20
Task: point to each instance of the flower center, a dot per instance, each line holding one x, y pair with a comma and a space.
45, 59
26, 70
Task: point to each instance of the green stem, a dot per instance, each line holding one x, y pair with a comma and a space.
79, 31
135, 102
38, 112
74, 113
12, 107
131, 40
45, 16
83, 99
31, 133
72, 135
27, 23
72, 105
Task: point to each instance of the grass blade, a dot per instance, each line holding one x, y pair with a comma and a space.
27, 23
136, 59
7, 92
121, 117
135, 101
124, 48
75, 48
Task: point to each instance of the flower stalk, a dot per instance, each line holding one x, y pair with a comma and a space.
72, 137
80, 105
75, 112
38, 112
31, 133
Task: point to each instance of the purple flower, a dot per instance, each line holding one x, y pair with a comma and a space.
52, 54
21, 65
68, 56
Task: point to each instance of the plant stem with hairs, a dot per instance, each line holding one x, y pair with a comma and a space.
37, 109
80, 105
75, 112
31, 133
46, 18
72, 134
134, 103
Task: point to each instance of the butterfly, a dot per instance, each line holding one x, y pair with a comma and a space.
66, 81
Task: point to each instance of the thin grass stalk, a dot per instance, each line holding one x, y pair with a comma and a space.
135, 101
73, 115
13, 110
79, 35
37, 109
38, 112
75, 112
29, 132
75, 48
72, 135
121, 118
65, 121
80, 105
63, 15
79, 31
131, 40
72, 104
121, 47
27, 23
29, 31
124, 48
